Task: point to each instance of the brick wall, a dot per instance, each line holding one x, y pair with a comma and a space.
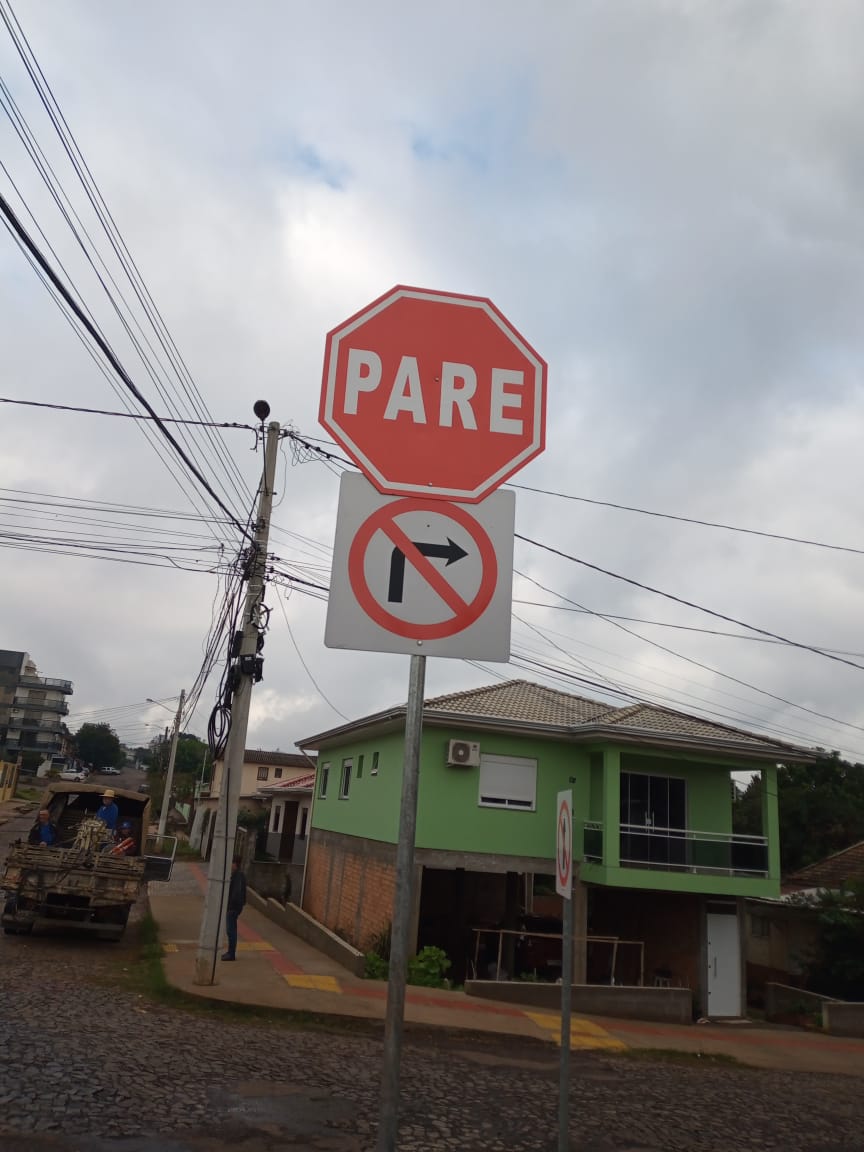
350, 884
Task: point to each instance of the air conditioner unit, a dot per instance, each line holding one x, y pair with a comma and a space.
463, 754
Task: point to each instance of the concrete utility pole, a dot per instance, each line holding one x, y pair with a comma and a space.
246, 671
169, 779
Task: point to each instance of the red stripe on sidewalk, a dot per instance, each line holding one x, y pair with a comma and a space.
377, 992
246, 932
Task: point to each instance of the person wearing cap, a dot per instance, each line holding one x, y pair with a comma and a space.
44, 831
125, 843
109, 813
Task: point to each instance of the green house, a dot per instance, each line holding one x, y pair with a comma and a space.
663, 873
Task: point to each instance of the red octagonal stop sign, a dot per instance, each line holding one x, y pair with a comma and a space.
434, 393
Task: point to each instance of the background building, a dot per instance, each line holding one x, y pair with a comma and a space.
32, 708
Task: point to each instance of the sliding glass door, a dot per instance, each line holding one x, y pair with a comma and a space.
653, 820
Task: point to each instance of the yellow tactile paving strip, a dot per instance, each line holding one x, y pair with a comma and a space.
318, 983
583, 1033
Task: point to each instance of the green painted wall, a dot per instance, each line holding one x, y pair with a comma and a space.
451, 819
372, 807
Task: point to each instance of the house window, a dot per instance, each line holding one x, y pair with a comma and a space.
360, 759
345, 780
277, 817
304, 822
325, 775
277, 773
508, 782
263, 773
373, 771
760, 926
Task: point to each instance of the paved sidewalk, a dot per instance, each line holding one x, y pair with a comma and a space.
276, 969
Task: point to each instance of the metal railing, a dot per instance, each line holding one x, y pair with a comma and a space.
613, 942
24, 702
686, 850
681, 849
45, 682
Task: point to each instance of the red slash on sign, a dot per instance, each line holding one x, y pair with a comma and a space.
564, 845
463, 612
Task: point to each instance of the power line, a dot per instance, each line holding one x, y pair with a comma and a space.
129, 415
118, 245
311, 444
697, 663
106, 351
692, 520
669, 624
690, 604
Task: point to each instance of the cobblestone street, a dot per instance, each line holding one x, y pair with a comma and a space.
89, 1067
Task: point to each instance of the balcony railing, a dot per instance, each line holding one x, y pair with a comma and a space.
27, 681
682, 850
30, 705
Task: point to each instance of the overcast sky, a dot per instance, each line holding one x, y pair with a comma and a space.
664, 197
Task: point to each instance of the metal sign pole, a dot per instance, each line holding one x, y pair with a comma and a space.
403, 903
566, 1001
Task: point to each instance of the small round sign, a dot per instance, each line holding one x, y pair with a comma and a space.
564, 846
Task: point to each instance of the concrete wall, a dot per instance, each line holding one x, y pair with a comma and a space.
275, 880
783, 1000
295, 920
669, 1005
843, 1019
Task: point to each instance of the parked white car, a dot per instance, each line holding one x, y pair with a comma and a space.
73, 774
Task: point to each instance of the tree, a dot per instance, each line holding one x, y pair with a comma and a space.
837, 966
820, 806
98, 744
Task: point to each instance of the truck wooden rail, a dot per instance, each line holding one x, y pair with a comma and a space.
90, 889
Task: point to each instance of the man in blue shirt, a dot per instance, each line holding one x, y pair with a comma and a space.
44, 831
109, 813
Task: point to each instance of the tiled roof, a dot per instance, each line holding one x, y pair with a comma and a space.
275, 759
298, 784
523, 701
832, 872
520, 700
646, 718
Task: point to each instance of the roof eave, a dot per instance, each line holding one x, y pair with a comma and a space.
733, 748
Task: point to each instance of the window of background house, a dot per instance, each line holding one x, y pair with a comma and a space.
345, 780
304, 821
277, 772
325, 775
373, 771
508, 782
277, 818
263, 773
360, 760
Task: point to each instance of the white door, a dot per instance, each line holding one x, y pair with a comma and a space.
724, 965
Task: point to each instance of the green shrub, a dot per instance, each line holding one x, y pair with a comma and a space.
427, 968
375, 967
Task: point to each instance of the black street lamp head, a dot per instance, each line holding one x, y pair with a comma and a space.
261, 409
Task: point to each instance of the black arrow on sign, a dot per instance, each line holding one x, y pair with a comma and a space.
451, 552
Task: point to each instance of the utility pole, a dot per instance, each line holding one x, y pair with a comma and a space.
246, 671
169, 779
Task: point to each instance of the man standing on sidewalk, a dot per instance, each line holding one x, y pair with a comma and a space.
236, 904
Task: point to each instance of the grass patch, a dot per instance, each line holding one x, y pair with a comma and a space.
678, 1056
33, 795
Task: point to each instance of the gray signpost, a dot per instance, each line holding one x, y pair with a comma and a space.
564, 887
